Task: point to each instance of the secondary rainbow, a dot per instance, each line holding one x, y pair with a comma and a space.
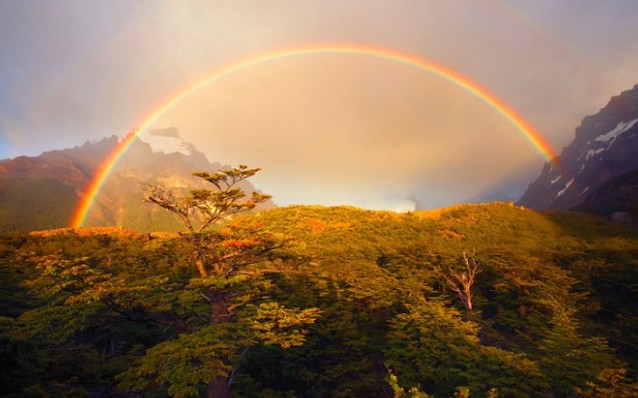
106, 167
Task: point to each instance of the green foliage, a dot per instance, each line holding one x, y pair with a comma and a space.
431, 346
186, 363
399, 392
275, 324
612, 383
35, 203
335, 359
570, 359
313, 301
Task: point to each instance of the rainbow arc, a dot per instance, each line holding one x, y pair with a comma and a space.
104, 170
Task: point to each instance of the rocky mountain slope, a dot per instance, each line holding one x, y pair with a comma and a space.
616, 199
603, 150
42, 192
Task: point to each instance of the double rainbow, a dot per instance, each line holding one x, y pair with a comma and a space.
104, 170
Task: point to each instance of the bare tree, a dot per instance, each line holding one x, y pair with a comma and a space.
461, 279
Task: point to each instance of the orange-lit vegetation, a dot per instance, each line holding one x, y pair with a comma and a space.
326, 302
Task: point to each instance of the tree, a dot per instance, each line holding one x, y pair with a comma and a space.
461, 281
222, 263
432, 348
204, 320
573, 360
202, 208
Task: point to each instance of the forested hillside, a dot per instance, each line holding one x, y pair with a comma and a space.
325, 302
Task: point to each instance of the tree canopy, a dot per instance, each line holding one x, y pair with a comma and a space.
313, 301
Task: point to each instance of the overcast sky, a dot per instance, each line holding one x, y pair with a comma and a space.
329, 129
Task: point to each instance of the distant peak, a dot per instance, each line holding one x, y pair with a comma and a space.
167, 141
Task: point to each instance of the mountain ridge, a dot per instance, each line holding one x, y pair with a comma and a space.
602, 150
49, 186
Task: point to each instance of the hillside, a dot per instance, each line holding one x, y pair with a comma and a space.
555, 306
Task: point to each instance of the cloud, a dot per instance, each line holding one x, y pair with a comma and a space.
82, 70
345, 129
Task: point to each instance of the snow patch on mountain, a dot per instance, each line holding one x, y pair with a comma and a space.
166, 141
562, 191
592, 152
618, 130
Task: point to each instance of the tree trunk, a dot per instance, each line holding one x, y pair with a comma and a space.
199, 263
218, 387
218, 307
198, 257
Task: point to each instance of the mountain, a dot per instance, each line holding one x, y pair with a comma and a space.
597, 163
617, 199
42, 192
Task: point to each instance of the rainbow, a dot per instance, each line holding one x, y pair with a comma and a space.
101, 175
106, 167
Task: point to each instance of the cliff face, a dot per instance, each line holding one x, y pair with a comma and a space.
605, 148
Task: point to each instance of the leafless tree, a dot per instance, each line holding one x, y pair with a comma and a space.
461, 279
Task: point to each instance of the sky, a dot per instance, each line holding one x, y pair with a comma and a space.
326, 128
